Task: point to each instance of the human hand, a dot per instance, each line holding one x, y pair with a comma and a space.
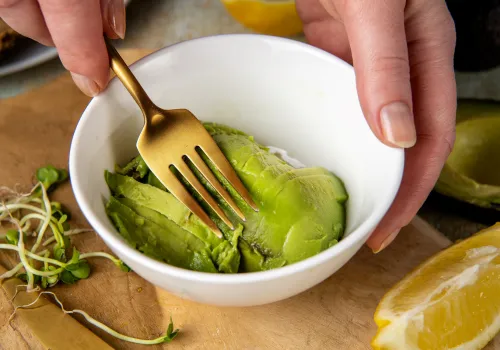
402, 52
75, 28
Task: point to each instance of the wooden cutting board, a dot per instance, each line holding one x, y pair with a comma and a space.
36, 129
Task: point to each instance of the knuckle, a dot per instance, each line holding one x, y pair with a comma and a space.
84, 63
450, 33
442, 144
60, 7
393, 65
440, 29
351, 7
449, 141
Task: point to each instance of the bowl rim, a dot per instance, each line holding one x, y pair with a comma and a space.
359, 235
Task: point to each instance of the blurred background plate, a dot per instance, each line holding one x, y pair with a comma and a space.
27, 55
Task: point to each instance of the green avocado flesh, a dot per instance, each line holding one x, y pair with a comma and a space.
301, 212
472, 171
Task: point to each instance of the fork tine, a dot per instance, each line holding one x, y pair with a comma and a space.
198, 162
183, 168
214, 153
175, 187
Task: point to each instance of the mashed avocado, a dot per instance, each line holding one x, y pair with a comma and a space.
301, 212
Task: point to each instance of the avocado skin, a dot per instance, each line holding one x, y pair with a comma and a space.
477, 24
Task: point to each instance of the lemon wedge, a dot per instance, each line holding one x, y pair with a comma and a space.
277, 17
452, 301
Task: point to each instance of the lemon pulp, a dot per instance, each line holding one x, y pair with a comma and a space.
452, 301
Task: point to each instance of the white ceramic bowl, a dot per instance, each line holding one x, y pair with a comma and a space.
285, 93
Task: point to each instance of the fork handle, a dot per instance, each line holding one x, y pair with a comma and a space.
123, 73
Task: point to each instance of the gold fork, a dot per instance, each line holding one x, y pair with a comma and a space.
168, 139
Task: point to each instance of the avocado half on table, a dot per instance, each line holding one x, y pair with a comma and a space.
472, 171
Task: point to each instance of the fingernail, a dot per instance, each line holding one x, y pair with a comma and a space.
388, 240
397, 124
88, 86
116, 17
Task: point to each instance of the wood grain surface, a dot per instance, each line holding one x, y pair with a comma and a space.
36, 129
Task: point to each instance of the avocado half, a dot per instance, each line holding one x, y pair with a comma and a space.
472, 171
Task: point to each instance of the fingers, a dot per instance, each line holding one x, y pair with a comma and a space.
330, 36
323, 28
423, 165
376, 32
77, 31
431, 41
113, 18
25, 17
76, 28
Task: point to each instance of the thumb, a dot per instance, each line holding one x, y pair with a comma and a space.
376, 32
